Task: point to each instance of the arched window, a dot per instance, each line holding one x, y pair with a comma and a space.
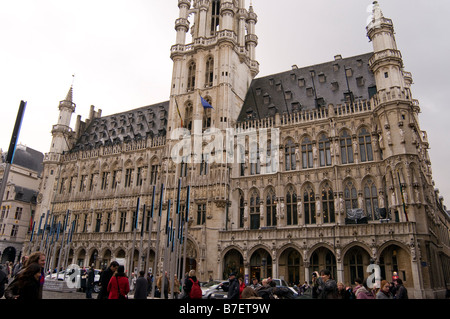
346, 148
188, 116
328, 204
324, 151
255, 162
207, 115
307, 153
271, 208
191, 76
209, 75
365, 146
254, 210
371, 200
289, 155
291, 206
309, 206
241, 210
215, 16
351, 196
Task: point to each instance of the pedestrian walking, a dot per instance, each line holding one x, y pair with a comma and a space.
327, 287
385, 291
361, 291
119, 286
3, 281
176, 287
133, 281
18, 266
141, 288
241, 286
105, 278
400, 291
149, 283
38, 257
159, 283
191, 287
26, 285
342, 292
90, 282
233, 288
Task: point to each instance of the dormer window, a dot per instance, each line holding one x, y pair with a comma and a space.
322, 78
301, 82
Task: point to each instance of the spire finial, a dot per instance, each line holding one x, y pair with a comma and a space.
69, 96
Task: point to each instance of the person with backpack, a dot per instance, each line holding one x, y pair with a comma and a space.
191, 287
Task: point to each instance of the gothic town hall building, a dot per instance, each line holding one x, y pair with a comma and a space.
349, 184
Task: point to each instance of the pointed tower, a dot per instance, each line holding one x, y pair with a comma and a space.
61, 132
62, 135
219, 64
396, 110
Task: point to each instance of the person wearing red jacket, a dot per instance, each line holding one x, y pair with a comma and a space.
119, 286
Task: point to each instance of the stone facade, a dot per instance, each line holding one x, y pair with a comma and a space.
355, 148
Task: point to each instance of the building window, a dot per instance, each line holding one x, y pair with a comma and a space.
271, 208
98, 222
108, 223
365, 146
209, 76
291, 207
18, 214
346, 148
215, 16
204, 165
191, 76
83, 183
188, 116
14, 231
207, 115
139, 177
309, 206
154, 174
255, 162
328, 205
105, 177
324, 151
123, 221
371, 200
307, 153
254, 210
356, 266
201, 214
241, 210
61, 187
115, 180
351, 197
289, 155
85, 223
128, 177
184, 167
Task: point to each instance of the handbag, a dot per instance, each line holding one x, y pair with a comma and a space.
121, 297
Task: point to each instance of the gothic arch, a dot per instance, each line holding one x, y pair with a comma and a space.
353, 244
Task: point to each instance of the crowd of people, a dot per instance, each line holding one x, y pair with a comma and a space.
25, 280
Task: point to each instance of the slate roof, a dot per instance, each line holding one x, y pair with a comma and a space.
25, 195
297, 89
137, 124
28, 158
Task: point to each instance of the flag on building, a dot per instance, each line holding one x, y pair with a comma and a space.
179, 113
205, 104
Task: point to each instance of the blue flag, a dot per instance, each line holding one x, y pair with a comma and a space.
205, 104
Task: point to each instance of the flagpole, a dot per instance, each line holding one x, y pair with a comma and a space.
150, 230
141, 255
158, 233
134, 241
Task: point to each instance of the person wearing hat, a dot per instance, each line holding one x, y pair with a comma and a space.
233, 288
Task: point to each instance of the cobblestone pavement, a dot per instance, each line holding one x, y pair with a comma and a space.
65, 295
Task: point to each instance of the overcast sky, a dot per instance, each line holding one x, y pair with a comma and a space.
119, 51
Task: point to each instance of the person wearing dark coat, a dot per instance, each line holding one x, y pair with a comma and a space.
26, 284
140, 291
233, 288
105, 278
90, 282
400, 292
3, 281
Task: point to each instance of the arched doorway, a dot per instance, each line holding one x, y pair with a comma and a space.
323, 258
260, 264
291, 266
356, 261
396, 261
81, 258
9, 254
233, 262
93, 260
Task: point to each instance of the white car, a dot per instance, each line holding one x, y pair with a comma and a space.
68, 274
